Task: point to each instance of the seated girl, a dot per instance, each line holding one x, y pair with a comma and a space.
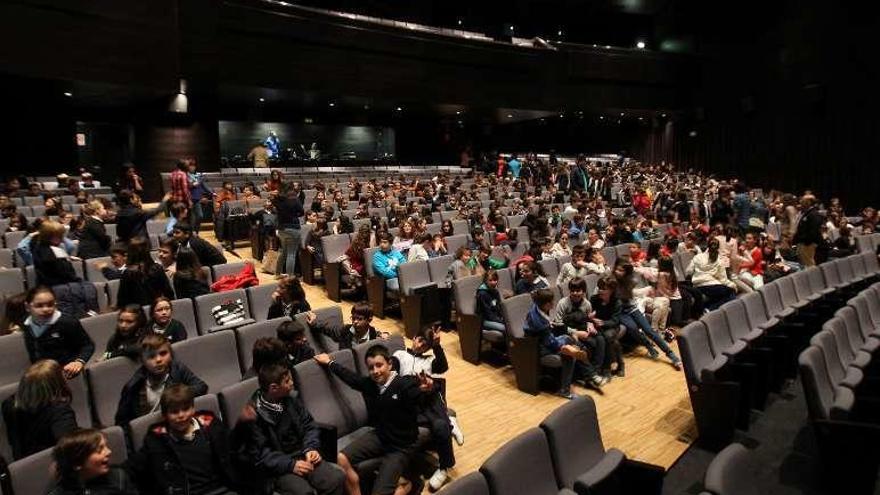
163, 322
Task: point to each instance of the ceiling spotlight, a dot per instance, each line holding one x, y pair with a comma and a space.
460, 122
607, 47
595, 45
663, 115
68, 94
640, 45
641, 118
262, 99
459, 22
692, 134
511, 28
332, 104
399, 109
601, 117
366, 107
561, 115
458, 112
622, 114
509, 116
559, 33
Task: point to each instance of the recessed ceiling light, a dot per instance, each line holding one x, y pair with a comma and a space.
366, 107
68, 94
459, 22
595, 45
399, 109
601, 117
663, 115
607, 46
262, 100
509, 116
640, 45
511, 28
332, 104
458, 112
641, 118
559, 33
621, 114
460, 122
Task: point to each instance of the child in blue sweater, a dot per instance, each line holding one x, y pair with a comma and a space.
386, 260
538, 325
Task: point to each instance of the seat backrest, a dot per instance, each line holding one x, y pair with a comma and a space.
872, 265
32, 475
212, 358
787, 292
506, 279
260, 299
228, 268
79, 390
318, 394
737, 319
6, 257
729, 472
818, 389
156, 227
836, 367
857, 265
832, 275
138, 427
845, 270
234, 397
101, 329
14, 358
11, 281
853, 323
106, 380
205, 303
772, 299
801, 282
515, 310
246, 336
551, 270
575, 440
610, 255
92, 272
330, 316
351, 401
335, 245
622, 250
514, 221
816, 276
456, 241
368, 261
413, 274
696, 353
464, 290
719, 336
522, 465
470, 484
438, 268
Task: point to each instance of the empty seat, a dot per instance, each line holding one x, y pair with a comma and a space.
456, 241
470, 484
523, 351
11, 281
837, 361
229, 268
106, 380
221, 311
32, 475
260, 299
418, 296
6, 258
101, 329
6, 391
729, 473
579, 457
14, 358
438, 268
522, 465
213, 358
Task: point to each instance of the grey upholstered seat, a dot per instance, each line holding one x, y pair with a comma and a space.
470, 484
729, 473
720, 339
260, 299
438, 267
101, 329
212, 357
11, 281
579, 457
246, 336
413, 275
14, 358
106, 379
523, 465
229, 268
205, 303
234, 397
738, 322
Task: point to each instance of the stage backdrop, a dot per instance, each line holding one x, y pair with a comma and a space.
359, 142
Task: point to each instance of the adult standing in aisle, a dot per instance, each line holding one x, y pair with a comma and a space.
809, 231
289, 210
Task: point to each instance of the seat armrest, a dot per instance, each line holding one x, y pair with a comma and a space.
327, 435
600, 472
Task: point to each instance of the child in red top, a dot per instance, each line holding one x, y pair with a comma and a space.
751, 268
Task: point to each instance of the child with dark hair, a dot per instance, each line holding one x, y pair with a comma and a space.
606, 317
531, 278
163, 322
489, 303
50, 335
289, 299
158, 370
188, 451
189, 278
130, 326
266, 350
113, 270
283, 440
571, 317
293, 335
347, 336
426, 356
392, 405
538, 325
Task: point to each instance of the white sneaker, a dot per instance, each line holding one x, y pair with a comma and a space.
438, 479
457, 434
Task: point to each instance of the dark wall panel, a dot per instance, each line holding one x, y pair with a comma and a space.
368, 143
159, 146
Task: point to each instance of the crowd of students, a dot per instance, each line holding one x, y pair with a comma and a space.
571, 210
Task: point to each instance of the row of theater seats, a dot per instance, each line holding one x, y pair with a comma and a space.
840, 376
735, 356
194, 314
339, 411
565, 455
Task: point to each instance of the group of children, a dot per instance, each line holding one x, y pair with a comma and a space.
275, 443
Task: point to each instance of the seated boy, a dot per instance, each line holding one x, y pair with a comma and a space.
293, 335
266, 350
386, 260
158, 371
432, 410
348, 336
576, 268
118, 255
283, 441
538, 325
572, 317
188, 451
392, 406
